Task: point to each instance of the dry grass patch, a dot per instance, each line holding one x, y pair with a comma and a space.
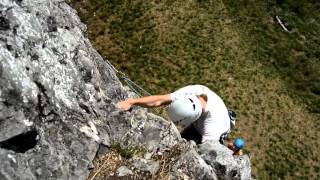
106, 168
167, 159
107, 165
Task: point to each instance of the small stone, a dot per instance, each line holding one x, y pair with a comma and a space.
39, 171
148, 155
185, 177
146, 165
123, 171
12, 157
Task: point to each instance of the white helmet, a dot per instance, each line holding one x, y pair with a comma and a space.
185, 110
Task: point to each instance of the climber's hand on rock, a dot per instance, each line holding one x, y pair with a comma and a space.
125, 105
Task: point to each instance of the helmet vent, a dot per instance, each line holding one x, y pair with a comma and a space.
185, 110
194, 106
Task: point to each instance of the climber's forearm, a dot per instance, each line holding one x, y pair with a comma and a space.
151, 101
148, 102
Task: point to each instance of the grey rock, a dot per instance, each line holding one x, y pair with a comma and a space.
52, 82
54, 86
105, 140
123, 171
244, 166
225, 165
141, 128
12, 123
148, 155
191, 166
146, 165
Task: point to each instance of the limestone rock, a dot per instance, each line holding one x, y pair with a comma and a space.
123, 171
225, 165
146, 165
191, 165
52, 82
57, 96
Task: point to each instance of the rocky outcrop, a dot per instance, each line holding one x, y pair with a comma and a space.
191, 166
225, 165
57, 100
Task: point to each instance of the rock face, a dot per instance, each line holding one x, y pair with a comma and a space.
57, 100
224, 163
191, 165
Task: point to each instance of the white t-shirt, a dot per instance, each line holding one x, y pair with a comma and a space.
215, 120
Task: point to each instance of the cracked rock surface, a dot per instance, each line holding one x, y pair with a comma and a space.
224, 164
57, 98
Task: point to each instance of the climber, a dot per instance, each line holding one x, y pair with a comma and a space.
236, 146
199, 111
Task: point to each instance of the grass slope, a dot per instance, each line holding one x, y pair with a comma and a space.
269, 77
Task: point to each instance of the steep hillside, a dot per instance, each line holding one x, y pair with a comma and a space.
268, 76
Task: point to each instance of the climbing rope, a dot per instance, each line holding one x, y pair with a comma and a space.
132, 85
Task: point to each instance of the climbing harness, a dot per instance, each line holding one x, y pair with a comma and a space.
233, 118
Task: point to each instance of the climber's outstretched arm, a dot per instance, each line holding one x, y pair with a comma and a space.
148, 102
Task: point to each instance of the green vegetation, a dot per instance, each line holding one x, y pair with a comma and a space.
128, 151
269, 76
